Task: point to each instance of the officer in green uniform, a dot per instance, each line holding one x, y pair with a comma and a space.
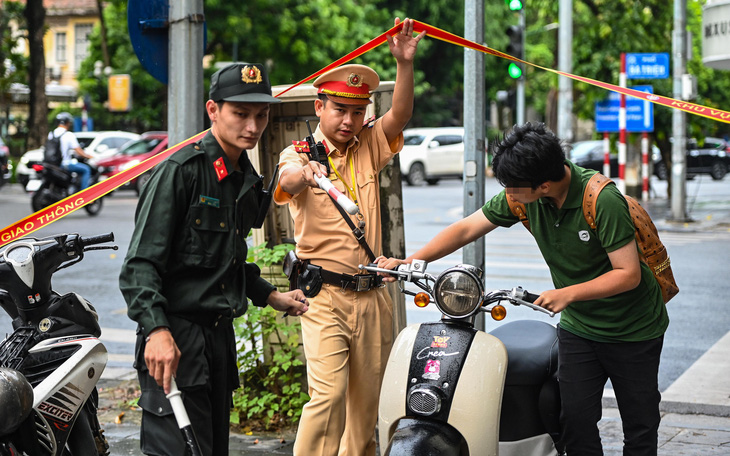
613, 317
185, 276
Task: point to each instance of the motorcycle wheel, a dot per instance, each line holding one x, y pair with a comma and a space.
94, 208
41, 199
87, 437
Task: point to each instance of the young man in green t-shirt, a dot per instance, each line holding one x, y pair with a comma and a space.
613, 317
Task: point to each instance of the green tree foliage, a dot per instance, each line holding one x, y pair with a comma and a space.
602, 30
294, 38
13, 65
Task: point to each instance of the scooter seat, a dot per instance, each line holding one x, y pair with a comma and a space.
532, 351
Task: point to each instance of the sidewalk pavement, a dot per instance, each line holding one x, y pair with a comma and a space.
695, 408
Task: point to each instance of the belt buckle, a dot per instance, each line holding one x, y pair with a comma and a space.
363, 282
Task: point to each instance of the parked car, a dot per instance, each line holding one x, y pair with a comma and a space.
131, 154
590, 155
432, 154
6, 168
712, 159
99, 144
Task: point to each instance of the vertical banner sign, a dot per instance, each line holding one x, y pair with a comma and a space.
120, 93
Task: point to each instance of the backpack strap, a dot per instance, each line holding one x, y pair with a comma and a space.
518, 209
590, 195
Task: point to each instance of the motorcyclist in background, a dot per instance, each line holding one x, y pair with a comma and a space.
69, 146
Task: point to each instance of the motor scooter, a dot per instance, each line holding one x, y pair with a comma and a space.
51, 363
450, 389
56, 183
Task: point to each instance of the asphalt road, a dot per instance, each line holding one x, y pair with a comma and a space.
699, 315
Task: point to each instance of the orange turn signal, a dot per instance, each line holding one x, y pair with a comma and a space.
422, 299
498, 312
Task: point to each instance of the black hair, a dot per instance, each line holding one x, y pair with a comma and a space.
528, 155
323, 97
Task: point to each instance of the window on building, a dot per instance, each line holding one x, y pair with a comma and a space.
82, 32
60, 46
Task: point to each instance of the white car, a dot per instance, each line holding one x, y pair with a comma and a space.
99, 144
432, 154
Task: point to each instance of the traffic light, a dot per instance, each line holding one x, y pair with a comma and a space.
515, 49
514, 70
514, 5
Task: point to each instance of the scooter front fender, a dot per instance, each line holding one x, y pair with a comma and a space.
417, 437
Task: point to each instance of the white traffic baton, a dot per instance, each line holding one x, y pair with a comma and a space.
183, 421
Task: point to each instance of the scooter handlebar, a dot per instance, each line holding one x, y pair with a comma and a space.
93, 240
402, 272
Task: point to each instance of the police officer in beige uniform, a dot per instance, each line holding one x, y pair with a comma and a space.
185, 276
347, 331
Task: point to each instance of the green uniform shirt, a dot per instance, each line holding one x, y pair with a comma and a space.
187, 255
575, 254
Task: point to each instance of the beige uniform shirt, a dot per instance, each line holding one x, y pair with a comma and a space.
321, 234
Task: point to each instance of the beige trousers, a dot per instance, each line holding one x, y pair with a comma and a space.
347, 339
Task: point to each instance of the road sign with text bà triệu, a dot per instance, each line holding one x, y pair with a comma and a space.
647, 66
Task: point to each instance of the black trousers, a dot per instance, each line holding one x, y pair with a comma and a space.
206, 376
584, 368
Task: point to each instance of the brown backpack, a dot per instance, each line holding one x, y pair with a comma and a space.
651, 250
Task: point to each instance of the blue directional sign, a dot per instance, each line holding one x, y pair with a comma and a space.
639, 113
647, 66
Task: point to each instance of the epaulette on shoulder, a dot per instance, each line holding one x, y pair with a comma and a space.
187, 152
370, 122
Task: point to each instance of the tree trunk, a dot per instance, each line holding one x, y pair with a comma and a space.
102, 24
35, 16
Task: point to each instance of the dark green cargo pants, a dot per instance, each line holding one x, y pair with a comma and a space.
206, 376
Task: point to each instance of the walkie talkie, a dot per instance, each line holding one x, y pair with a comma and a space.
317, 150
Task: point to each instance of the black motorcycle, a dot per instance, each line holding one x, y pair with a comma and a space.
56, 184
51, 363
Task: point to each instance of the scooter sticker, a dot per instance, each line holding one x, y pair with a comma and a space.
440, 341
433, 370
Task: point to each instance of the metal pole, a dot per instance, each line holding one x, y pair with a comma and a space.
645, 166
679, 169
474, 131
521, 81
185, 81
565, 64
606, 155
622, 128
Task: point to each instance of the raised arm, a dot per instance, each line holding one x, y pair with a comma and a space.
403, 47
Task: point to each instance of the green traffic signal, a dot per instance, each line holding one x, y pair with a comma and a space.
514, 5
514, 70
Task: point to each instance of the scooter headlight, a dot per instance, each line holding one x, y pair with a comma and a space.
458, 291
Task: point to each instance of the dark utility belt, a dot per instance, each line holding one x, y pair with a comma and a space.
309, 278
358, 282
